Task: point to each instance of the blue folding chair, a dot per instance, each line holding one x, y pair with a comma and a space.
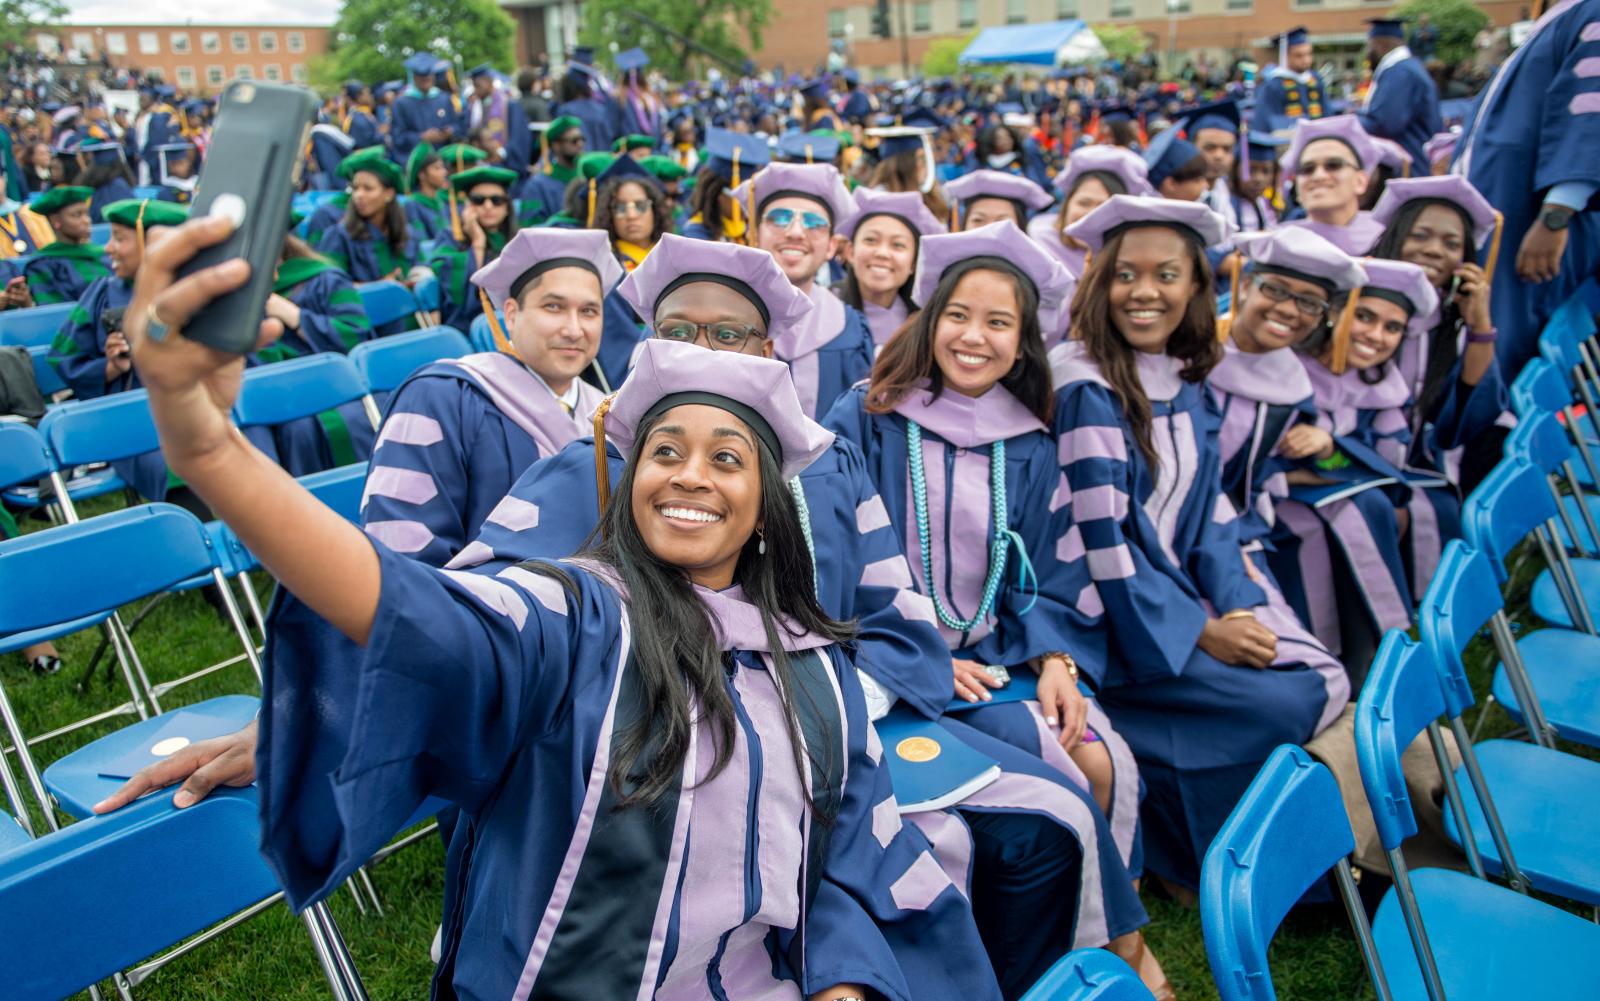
385, 363
1530, 800
1564, 343
45, 375
1540, 389
1468, 938
300, 387
35, 326
25, 463
340, 489
1285, 834
426, 292
386, 302
82, 904
136, 553
1089, 975
100, 233
1556, 669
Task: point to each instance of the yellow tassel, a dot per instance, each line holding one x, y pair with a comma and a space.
955, 225
1339, 356
602, 475
501, 341
590, 223
1494, 245
1225, 322
138, 227
809, 159
544, 149
738, 228
455, 214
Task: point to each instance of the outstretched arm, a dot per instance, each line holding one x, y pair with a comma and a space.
324, 560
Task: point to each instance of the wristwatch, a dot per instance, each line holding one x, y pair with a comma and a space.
1555, 217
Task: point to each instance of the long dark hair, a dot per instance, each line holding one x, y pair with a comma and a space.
606, 202
899, 173
507, 228
1194, 342
983, 146
703, 202
850, 289
1443, 349
908, 357
1113, 185
674, 644
392, 224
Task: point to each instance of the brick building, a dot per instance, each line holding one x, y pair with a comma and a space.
197, 58
801, 32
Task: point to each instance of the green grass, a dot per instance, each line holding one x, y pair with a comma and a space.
1314, 956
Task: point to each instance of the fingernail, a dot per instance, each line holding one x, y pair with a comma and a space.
96, 808
183, 798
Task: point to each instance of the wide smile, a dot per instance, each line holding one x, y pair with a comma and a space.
1278, 329
1363, 352
968, 360
687, 517
1145, 316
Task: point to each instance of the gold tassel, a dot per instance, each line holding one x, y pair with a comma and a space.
455, 213
1339, 356
501, 340
1494, 246
1225, 322
602, 475
544, 149
809, 159
138, 227
737, 230
590, 221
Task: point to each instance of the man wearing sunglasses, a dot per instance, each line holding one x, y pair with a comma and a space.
1327, 163
796, 208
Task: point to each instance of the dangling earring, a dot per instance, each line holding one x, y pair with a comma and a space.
761, 544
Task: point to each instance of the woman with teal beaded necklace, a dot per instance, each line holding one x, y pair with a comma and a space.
953, 426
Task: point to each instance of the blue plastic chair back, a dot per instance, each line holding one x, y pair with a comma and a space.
1089, 975
74, 571
427, 292
1568, 327
300, 387
44, 373
104, 429
1511, 502
1400, 698
1284, 835
340, 489
147, 191
105, 893
23, 457
1589, 294
482, 339
386, 301
1539, 388
100, 233
1540, 440
1462, 596
385, 363
33, 327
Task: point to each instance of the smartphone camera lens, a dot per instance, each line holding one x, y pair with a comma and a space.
244, 93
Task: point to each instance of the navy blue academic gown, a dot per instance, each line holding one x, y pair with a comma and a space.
114, 190
1404, 106
1283, 99
1162, 547
415, 113
544, 873
829, 351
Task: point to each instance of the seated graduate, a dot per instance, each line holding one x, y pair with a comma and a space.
1254, 203
543, 191
669, 177
328, 147
1189, 633
986, 196
714, 213
1328, 163
1002, 147
1093, 174
487, 226
796, 208
1387, 538
22, 232
91, 352
632, 209
884, 236
1458, 394
177, 171
102, 168
1391, 162
373, 241
61, 270
1177, 168
960, 398
1014, 841
427, 180
320, 310
570, 735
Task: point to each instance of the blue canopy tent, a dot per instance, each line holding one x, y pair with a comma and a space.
1053, 44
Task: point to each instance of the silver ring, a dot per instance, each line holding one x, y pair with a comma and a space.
154, 329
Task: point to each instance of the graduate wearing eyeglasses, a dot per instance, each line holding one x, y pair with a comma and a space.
796, 208
483, 195
1329, 162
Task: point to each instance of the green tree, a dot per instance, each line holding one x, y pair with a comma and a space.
372, 38
1457, 22
1123, 42
698, 33
940, 59
19, 18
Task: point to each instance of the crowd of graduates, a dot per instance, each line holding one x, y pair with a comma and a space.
1091, 440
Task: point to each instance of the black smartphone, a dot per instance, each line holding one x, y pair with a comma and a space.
251, 171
